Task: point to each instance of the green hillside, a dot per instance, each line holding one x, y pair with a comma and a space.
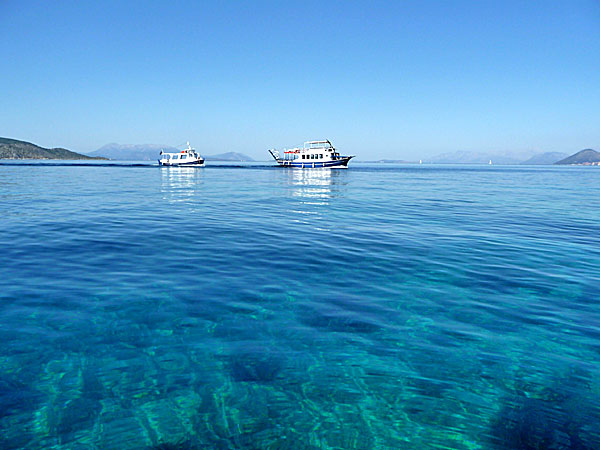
14, 149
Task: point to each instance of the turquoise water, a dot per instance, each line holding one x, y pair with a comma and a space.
379, 307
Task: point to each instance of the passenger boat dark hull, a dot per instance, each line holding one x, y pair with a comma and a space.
341, 163
198, 163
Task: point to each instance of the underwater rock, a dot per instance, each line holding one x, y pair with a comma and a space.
353, 435
120, 429
343, 324
239, 330
124, 332
255, 365
16, 396
177, 445
78, 414
532, 424
167, 419
429, 387
172, 360
16, 441
92, 388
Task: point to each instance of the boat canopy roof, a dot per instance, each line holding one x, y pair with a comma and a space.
318, 144
309, 147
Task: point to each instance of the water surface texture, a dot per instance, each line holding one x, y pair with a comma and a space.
379, 307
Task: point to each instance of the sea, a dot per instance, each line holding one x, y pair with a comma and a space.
246, 306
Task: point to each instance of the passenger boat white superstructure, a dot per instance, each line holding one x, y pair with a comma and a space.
187, 157
312, 155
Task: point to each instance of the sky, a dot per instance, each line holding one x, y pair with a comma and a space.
400, 80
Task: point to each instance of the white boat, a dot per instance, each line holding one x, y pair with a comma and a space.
187, 157
312, 155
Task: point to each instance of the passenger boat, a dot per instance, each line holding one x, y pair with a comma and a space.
187, 157
312, 155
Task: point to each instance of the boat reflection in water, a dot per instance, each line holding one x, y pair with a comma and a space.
316, 183
314, 190
180, 184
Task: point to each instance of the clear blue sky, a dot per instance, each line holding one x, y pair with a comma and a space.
405, 79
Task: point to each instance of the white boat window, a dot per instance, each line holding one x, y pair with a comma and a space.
175, 156
321, 155
183, 156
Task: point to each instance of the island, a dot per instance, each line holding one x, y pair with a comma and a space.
587, 157
15, 149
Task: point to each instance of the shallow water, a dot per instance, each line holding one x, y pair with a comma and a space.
379, 307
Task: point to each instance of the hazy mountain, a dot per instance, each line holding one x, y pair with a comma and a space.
387, 161
129, 152
229, 156
464, 157
586, 156
545, 158
14, 149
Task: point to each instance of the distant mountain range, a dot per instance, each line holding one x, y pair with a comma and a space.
15, 149
229, 156
127, 152
544, 158
583, 157
150, 152
465, 157
526, 157
388, 161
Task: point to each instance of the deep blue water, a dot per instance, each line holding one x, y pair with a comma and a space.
379, 307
